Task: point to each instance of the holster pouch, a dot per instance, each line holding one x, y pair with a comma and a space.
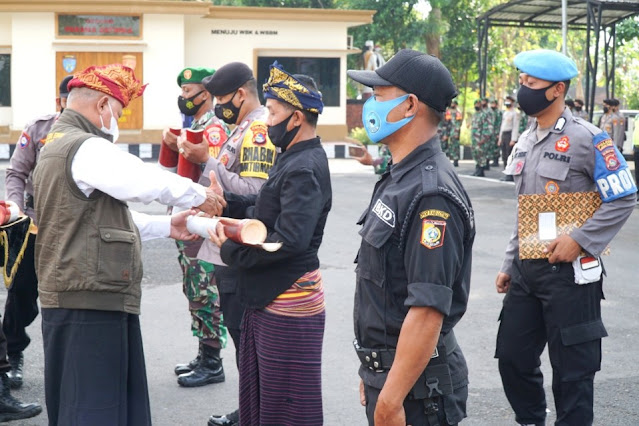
435, 380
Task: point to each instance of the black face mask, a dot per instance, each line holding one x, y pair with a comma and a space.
227, 112
533, 101
477, 108
484, 106
577, 108
606, 109
508, 104
279, 136
494, 108
186, 105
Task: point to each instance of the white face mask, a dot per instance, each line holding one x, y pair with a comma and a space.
113, 129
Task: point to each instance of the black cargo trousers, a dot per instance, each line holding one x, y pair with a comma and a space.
545, 305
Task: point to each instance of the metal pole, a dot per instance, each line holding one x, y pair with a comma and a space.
614, 54
588, 60
564, 25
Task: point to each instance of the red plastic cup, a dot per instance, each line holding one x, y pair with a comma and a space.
169, 158
185, 167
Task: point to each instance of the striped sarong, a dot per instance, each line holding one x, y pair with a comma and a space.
281, 358
305, 298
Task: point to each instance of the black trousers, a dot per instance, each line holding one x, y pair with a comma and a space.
94, 371
5, 367
505, 147
544, 305
232, 309
21, 307
414, 409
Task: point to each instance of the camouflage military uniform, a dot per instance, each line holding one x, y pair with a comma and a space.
380, 164
198, 282
444, 130
523, 122
481, 132
454, 134
488, 145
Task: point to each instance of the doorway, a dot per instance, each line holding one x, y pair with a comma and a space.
69, 63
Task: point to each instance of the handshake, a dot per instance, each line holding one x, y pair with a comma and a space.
213, 205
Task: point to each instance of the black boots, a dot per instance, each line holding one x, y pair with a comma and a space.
479, 171
231, 419
186, 368
208, 370
11, 408
15, 375
487, 167
456, 163
495, 162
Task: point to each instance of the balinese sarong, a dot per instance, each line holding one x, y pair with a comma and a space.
281, 358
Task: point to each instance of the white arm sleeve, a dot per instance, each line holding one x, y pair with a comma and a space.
99, 164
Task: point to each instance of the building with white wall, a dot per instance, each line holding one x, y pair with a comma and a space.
42, 41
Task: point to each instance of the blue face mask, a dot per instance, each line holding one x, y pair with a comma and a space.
375, 114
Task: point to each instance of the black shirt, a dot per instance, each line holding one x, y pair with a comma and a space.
293, 204
416, 251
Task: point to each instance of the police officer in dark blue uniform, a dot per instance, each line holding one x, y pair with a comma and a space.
557, 300
413, 273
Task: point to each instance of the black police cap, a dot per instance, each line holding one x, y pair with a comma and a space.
64, 91
414, 72
228, 79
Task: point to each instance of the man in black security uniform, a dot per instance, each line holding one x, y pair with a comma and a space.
413, 273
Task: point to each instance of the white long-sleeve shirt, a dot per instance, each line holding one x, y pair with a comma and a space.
100, 164
510, 123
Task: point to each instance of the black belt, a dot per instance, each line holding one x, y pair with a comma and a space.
381, 360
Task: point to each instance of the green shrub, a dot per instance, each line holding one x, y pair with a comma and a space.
359, 134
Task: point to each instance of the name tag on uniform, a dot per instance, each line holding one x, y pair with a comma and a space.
547, 226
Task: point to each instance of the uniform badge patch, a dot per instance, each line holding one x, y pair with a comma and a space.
519, 167
611, 160
560, 124
563, 144
212, 135
188, 74
385, 213
552, 187
259, 134
24, 140
433, 232
433, 212
225, 159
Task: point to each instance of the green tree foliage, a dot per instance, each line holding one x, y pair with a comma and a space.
449, 31
318, 4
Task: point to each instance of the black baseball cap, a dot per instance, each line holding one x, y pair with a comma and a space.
227, 79
414, 72
64, 91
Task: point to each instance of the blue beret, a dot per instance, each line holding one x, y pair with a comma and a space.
546, 65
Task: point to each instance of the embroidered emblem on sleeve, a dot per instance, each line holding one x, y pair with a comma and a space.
612, 175
24, 140
433, 232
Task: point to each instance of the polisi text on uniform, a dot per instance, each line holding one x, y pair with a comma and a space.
559, 157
